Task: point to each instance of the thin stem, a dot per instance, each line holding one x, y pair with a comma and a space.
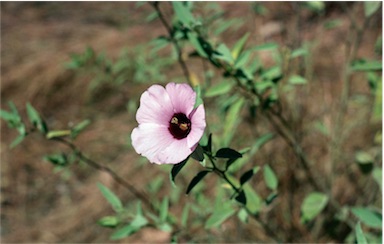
174, 41
222, 175
106, 169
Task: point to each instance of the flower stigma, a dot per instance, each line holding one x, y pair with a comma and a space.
179, 126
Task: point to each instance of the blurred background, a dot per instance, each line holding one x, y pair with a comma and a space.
92, 60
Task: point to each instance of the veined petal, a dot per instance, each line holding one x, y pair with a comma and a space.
182, 96
155, 106
197, 118
150, 140
175, 152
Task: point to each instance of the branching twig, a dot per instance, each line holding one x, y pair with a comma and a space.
174, 41
106, 169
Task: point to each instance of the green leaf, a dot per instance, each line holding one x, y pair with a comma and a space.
372, 65
239, 46
33, 115
369, 217
77, 129
219, 215
219, 89
254, 202
111, 198
197, 44
164, 209
57, 133
370, 7
364, 158
35, 119
228, 153
17, 141
248, 175
138, 222
241, 198
297, 80
378, 176
266, 46
108, 221
271, 197
360, 235
316, 6
225, 54
184, 216
183, 14
243, 59
333, 23
198, 153
208, 147
7, 116
260, 141
299, 52
196, 180
270, 178
232, 119
176, 169
59, 159
312, 205
243, 215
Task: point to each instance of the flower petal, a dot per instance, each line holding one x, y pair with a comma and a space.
182, 96
155, 106
197, 118
175, 152
150, 140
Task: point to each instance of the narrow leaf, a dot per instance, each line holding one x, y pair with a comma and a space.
183, 13
193, 38
248, 175
123, 232
243, 215
368, 217
225, 54
241, 198
219, 216
184, 215
198, 153
372, 65
270, 178
17, 141
196, 180
77, 129
370, 7
228, 153
58, 133
378, 176
164, 209
360, 234
239, 46
108, 221
297, 80
176, 169
312, 205
7, 116
208, 147
266, 46
33, 115
219, 89
111, 197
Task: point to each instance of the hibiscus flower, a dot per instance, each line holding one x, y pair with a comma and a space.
169, 126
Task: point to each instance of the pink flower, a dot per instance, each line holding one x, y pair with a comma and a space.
169, 126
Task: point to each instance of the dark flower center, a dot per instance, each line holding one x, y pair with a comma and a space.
179, 126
